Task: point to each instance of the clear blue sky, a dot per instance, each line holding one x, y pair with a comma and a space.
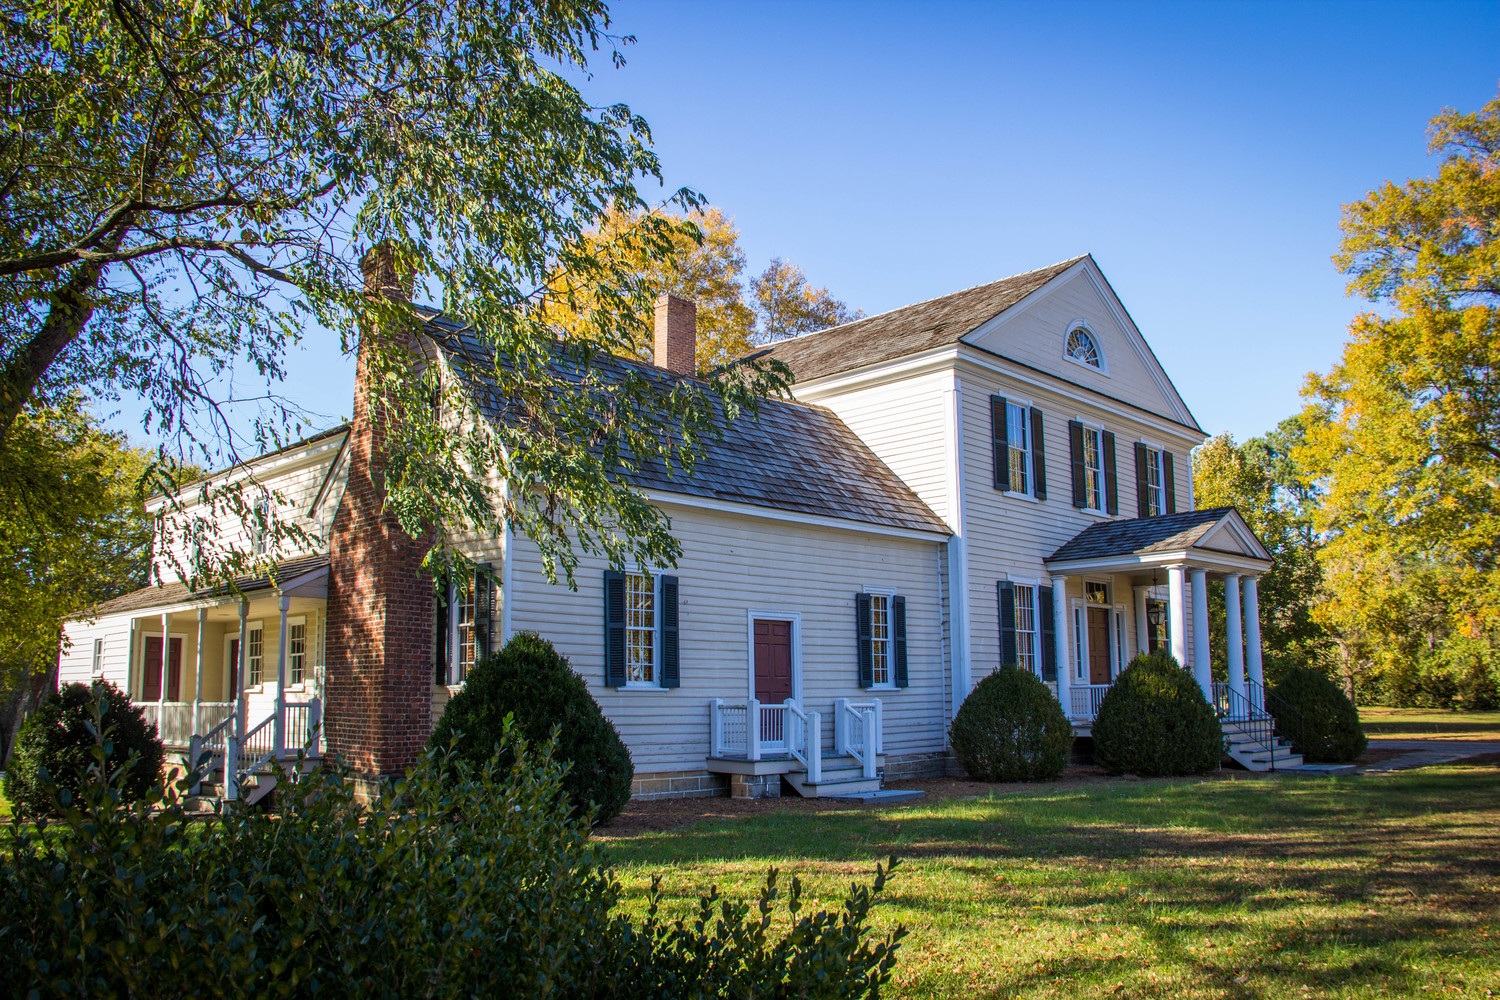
1200, 151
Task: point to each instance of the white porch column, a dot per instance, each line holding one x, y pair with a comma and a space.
1252, 640
1202, 664
1142, 623
239, 671
1235, 653
1177, 598
279, 726
1064, 646
198, 676
134, 672
166, 664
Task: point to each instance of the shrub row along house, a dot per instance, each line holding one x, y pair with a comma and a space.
997, 475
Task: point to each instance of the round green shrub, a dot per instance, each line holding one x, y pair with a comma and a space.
1011, 728
1329, 726
531, 681
1155, 721
54, 749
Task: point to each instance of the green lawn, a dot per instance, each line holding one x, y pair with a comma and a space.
1379, 885
1417, 723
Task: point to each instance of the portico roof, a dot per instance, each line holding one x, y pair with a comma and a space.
1216, 539
289, 575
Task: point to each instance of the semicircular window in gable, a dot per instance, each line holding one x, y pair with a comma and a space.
1082, 348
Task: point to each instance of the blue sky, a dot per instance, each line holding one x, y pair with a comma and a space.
1201, 152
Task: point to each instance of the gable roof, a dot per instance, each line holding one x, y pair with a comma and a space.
910, 329
1165, 533
790, 456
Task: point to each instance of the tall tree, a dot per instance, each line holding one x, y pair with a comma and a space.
1403, 434
703, 267
185, 186
787, 304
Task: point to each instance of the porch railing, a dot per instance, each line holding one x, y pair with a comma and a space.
751, 730
1288, 721
804, 731
856, 731
1086, 699
174, 719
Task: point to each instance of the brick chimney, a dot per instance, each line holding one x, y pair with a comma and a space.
676, 335
378, 688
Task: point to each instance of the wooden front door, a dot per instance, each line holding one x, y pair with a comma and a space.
773, 661
151, 682
1098, 645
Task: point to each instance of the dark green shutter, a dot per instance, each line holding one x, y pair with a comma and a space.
898, 630
1169, 482
484, 593
1007, 597
671, 673
1000, 442
1044, 608
1142, 480
865, 639
1038, 456
1075, 445
614, 628
1111, 478
441, 625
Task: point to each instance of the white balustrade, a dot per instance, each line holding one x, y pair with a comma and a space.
805, 739
1085, 701
857, 730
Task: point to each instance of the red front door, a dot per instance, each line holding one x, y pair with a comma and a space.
773, 661
151, 682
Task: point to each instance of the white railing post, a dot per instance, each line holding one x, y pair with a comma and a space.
239, 669
879, 741
315, 727
195, 749
814, 747
715, 727
231, 768
166, 664
840, 726
752, 731
867, 716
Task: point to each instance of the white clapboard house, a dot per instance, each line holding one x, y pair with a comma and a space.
996, 475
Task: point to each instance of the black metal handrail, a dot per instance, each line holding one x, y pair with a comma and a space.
1256, 725
1290, 725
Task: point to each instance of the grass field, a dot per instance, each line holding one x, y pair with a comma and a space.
1364, 886
1417, 723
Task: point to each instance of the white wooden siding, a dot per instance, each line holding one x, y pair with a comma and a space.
729, 566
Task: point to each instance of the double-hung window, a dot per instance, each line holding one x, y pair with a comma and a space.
255, 654
1018, 440
1093, 469
1154, 484
262, 525
296, 650
640, 629
98, 667
880, 640
464, 626
1026, 627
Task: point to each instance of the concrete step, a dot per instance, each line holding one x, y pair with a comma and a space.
831, 787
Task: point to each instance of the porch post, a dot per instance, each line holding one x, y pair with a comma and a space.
239, 671
134, 674
1177, 598
198, 676
1252, 640
166, 664
1142, 623
1064, 646
279, 726
1234, 640
1202, 665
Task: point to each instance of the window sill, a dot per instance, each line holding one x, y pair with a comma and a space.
640, 686
1019, 496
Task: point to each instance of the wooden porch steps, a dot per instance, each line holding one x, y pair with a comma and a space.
256, 788
842, 776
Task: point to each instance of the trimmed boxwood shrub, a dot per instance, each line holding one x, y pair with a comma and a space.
1155, 721
531, 681
1011, 728
1330, 729
56, 746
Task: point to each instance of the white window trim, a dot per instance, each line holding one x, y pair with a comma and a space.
1121, 624
760, 614
1093, 334
262, 536
1160, 452
1089, 424
307, 665
888, 593
655, 683
251, 627
96, 663
1030, 492
1036, 631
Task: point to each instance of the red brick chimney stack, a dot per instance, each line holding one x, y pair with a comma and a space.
676, 335
378, 687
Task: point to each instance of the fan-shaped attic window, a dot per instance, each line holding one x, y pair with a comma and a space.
1082, 347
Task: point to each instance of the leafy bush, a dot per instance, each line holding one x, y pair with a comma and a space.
457, 882
56, 744
1478, 688
1011, 728
530, 681
1154, 720
1329, 730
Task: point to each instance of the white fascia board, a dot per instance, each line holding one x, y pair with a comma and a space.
1194, 558
791, 516
275, 465
978, 360
909, 366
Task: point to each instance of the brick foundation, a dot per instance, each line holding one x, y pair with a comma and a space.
915, 766
755, 786
378, 711
679, 785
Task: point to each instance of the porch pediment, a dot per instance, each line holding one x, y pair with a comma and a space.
1217, 539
